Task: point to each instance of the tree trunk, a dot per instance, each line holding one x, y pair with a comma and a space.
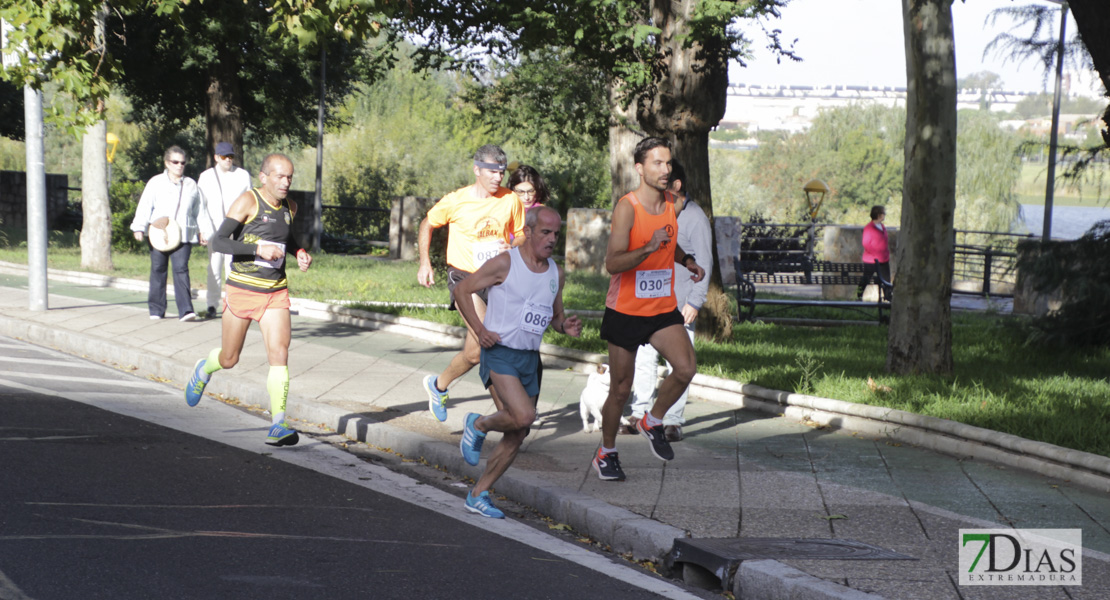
688, 101
624, 134
96, 212
1093, 22
920, 334
224, 113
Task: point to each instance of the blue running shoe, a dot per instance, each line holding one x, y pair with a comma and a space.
282, 435
194, 390
437, 400
483, 506
471, 442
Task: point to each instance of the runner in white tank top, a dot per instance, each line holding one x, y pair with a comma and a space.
526, 298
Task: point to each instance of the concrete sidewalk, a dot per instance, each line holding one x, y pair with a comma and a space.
739, 473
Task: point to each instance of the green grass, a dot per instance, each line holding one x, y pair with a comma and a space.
1031, 186
1059, 396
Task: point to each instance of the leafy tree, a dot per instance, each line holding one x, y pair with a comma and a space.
219, 60
854, 149
65, 42
406, 136
983, 81
552, 114
666, 64
989, 168
11, 111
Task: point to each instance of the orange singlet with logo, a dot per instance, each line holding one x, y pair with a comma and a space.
647, 290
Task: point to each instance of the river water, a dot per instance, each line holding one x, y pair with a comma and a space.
1068, 222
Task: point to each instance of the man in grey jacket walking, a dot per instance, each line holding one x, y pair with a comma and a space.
695, 237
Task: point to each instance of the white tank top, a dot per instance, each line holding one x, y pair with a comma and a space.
520, 308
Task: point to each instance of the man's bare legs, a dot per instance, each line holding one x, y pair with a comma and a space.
468, 357
673, 343
515, 412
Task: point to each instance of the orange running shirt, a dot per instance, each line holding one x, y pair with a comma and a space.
647, 290
478, 225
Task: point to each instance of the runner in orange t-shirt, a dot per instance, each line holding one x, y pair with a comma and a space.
485, 219
640, 307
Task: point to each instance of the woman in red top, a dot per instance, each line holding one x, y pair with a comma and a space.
876, 254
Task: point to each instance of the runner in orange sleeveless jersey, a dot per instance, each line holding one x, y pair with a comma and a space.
640, 307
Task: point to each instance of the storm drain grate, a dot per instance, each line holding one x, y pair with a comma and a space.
720, 556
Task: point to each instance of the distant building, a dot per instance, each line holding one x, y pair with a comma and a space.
792, 108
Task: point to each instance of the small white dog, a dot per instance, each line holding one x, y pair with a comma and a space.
593, 398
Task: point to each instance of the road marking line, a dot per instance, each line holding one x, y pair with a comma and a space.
53, 377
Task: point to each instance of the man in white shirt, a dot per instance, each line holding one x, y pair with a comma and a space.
219, 187
175, 197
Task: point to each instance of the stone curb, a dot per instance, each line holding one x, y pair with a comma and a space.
772, 579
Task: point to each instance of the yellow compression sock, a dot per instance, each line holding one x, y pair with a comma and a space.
212, 363
277, 383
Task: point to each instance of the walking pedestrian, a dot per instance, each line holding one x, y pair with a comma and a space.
167, 218
219, 187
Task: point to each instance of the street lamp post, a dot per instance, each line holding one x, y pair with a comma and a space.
1050, 180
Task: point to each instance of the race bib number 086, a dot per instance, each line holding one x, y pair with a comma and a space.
653, 284
535, 317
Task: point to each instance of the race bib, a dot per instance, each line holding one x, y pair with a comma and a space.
653, 284
484, 251
273, 264
535, 317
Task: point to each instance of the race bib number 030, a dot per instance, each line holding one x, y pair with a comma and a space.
535, 317
653, 284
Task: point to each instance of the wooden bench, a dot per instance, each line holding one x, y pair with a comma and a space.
803, 271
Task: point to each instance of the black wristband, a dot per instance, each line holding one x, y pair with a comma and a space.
683, 261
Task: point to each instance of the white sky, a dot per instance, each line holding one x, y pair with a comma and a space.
860, 42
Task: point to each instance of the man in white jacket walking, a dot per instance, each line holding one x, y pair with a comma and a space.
219, 187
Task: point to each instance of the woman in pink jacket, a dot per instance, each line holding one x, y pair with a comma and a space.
876, 247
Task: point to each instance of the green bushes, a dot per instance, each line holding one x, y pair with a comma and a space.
1079, 270
123, 198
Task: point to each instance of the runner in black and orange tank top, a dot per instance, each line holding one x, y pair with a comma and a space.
258, 233
640, 306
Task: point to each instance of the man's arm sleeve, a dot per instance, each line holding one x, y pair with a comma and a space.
142, 212
703, 255
224, 244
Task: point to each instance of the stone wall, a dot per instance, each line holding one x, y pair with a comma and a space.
587, 239
13, 199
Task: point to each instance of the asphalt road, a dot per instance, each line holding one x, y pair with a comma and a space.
110, 487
